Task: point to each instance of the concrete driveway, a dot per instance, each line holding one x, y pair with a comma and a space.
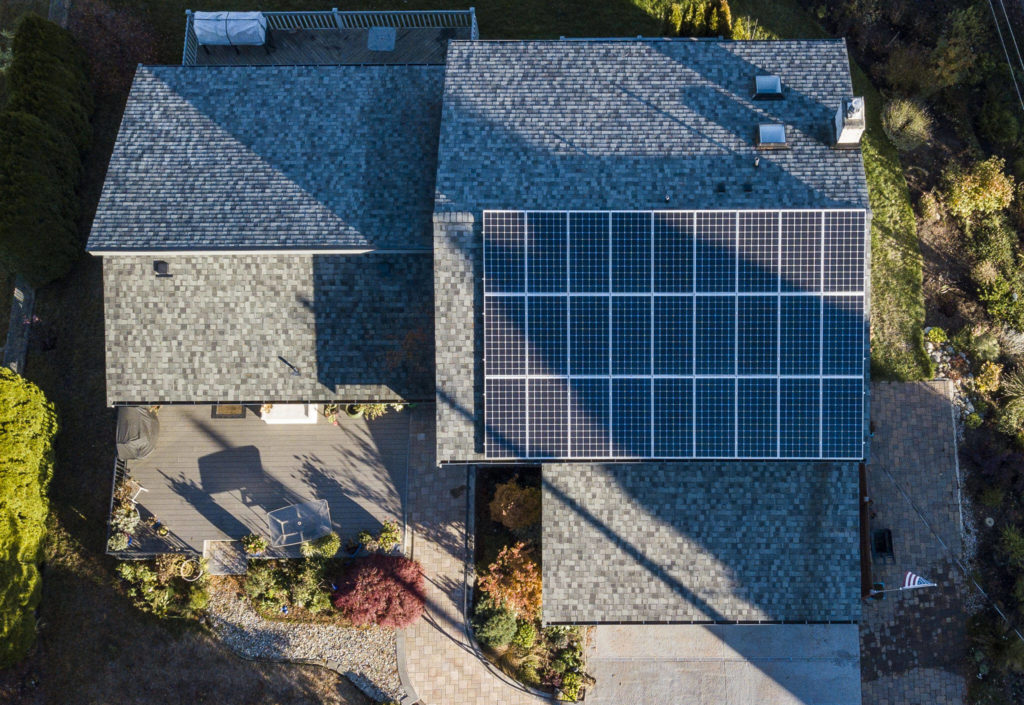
725, 664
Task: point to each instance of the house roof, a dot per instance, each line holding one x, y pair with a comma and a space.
273, 158
226, 327
572, 125
702, 542
615, 125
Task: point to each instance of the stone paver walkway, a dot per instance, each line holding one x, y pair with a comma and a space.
439, 659
913, 643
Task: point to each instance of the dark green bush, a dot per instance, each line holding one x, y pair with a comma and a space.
28, 424
48, 79
39, 169
997, 123
44, 130
53, 106
493, 625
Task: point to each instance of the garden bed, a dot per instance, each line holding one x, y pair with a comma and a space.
367, 656
507, 599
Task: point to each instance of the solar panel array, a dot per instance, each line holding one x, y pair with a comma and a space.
674, 334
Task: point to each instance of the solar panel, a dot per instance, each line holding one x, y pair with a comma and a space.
674, 334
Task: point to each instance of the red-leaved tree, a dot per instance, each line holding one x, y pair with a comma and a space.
382, 590
514, 580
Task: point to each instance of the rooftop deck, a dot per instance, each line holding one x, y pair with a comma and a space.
299, 47
213, 479
333, 37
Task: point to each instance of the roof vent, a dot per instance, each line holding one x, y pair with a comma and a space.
160, 268
849, 123
771, 136
767, 88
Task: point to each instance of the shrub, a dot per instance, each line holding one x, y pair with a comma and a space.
1002, 300
117, 542
572, 685
907, 124
28, 424
903, 70
326, 546
382, 590
39, 169
992, 497
527, 674
376, 410
516, 506
156, 588
514, 580
987, 379
973, 420
525, 636
124, 519
997, 123
1011, 543
928, 207
936, 335
47, 78
254, 544
981, 188
389, 537
493, 625
956, 55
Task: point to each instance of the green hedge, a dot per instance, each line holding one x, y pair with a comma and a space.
47, 78
28, 424
39, 168
44, 131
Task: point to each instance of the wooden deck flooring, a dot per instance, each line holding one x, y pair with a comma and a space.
301, 47
216, 479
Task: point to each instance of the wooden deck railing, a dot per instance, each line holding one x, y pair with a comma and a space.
335, 19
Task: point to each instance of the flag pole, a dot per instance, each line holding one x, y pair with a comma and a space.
874, 592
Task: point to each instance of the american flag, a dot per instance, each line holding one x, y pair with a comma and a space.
913, 580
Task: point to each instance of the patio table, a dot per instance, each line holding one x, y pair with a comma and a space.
298, 523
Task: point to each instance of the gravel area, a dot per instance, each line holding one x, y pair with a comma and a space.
366, 656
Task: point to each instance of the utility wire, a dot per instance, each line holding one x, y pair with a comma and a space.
1009, 28
1013, 75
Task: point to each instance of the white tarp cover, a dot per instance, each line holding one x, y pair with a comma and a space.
230, 28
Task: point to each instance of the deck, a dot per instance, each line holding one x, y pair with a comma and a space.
213, 479
302, 47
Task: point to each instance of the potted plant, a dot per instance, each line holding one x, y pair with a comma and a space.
366, 540
390, 536
331, 413
351, 547
117, 542
254, 545
354, 411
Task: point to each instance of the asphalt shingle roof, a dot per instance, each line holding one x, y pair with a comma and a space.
615, 125
702, 542
357, 328
273, 157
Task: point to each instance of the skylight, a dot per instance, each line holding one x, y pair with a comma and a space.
767, 88
771, 136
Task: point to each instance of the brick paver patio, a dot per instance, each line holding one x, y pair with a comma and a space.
439, 660
913, 643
